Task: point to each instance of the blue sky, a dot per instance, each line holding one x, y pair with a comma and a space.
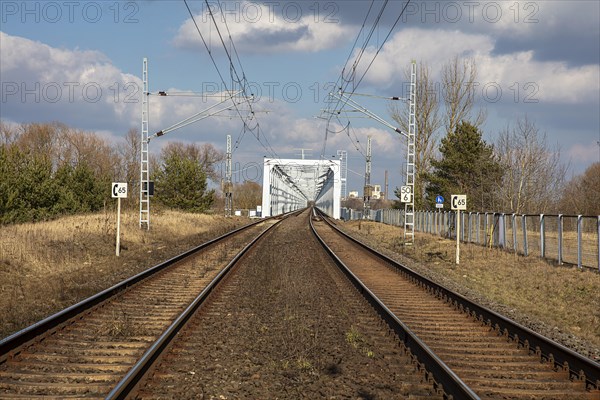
79, 62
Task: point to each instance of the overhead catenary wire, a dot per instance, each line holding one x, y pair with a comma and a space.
233, 71
194, 118
343, 82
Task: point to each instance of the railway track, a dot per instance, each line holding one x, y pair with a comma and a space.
492, 355
263, 312
286, 324
87, 349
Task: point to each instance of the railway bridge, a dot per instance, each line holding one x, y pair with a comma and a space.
291, 184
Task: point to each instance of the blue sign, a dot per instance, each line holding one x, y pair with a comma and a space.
439, 199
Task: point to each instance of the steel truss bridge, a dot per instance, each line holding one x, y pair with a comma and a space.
291, 184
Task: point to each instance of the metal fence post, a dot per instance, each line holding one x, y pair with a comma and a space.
469, 228
477, 229
560, 238
579, 244
525, 247
495, 230
429, 223
445, 223
462, 229
502, 231
542, 236
485, 230
514, 232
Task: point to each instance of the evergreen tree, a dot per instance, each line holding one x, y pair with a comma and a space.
181, 183
467, 166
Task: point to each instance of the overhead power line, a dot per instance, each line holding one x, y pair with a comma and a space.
235, 76
344, 80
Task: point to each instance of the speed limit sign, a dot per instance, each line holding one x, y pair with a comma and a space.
405, 194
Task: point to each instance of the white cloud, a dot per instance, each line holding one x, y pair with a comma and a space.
83, 89
59, 84
545, 81
433, 46
257, 29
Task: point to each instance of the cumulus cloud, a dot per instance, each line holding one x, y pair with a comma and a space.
542, 81
40, 82
84, 89
259, 28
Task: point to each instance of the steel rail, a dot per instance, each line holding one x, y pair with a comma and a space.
13, 343
579, 367
446, 380
130, 381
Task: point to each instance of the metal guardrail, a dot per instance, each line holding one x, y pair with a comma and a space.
566, 239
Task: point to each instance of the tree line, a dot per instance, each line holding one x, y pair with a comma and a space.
50, 169
518, 173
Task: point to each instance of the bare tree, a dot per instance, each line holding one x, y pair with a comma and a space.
41, 139
582, 192
8, 134
130, 156
533, 171
428, 121
458, 90
91, 149
247, 195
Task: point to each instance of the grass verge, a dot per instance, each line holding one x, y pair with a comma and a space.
48, 266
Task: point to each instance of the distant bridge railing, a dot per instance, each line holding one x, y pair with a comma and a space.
566, 239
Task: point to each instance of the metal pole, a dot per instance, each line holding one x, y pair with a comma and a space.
560, 238
478, 228
228, 183
144, 164
542, 236
525, 246
579, 244
367, 189
514, 232
117, 251
409, 207
457, 237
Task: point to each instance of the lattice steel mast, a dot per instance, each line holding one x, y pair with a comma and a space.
409, 207
144, 166
368, 190
228, 186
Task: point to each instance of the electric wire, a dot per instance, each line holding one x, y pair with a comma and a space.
346, 82
233, 71
244, 120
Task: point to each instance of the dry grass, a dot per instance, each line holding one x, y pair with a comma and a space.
47, 266
563, 298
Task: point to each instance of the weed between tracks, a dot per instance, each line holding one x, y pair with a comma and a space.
120, 325
357, 340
